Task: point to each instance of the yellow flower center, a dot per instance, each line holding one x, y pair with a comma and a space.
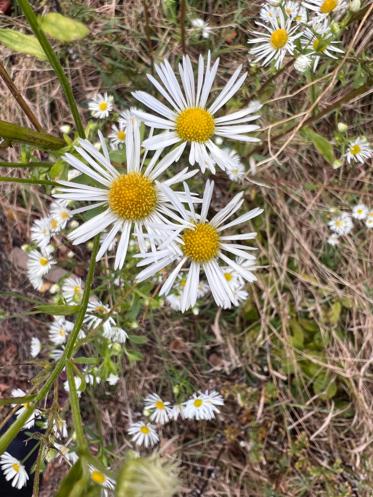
62, 332
339, 223
64, 215
360, 211
159, 405
100, 309
319, 44
132, 196
145, 430
77, 290
228, 276
54, 224
98, 477
102, 106
16, 467
328, 6
198, 403
121, 135
355, 149
201, 244
279, 38
43, 261
195, 125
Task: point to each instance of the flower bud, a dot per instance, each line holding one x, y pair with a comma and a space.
342, 127
337, 164
302, 63
354, 5
65, 129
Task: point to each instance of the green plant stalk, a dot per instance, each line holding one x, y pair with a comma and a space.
38, 139
54, 62
75, 410
17, 426
27, 181
25, 164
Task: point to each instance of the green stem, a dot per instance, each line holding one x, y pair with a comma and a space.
182, 24
75, 410
17, 426
26, 164
54, 62
9, 179
38, 139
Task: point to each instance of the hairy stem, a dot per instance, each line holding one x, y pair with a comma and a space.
75, 410
38, 139
54, 62
25, 164
27, 181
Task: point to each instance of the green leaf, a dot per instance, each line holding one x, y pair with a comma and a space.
56, 170
75, 482
62, 28
297, 338
19, 42
322, 145
57, 310
325, 386
334, 313
139, 339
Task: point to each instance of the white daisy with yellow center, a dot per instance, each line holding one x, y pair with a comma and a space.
39, 264
295, 11
100, 478
188, 119
358, 150
40, 232
72, 290
201, 244
369, 220
143, 434
360, 211
319, 42
117, 136
160, 409
100, 314
101, 105
14, 471
325, 8
18, 392
341, 224
235, 170
59, 330
203, 405
276, 41
129, 201
60, 213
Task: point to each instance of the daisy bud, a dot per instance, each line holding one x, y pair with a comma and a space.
355, 5
54, 289
337, 164
70, 254
90, 245
335, 28
65, 129
74, 224
302, 63
342, 127
148, 477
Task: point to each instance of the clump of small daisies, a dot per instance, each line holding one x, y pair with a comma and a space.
302, 31
200, 406
342, 223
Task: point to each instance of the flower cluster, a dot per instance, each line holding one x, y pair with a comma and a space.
139, 202
342, 224
200, 406
303, 30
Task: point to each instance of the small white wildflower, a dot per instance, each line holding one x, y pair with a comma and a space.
72, 290
100, 478
40, 232
160, 409
369, 220
360, 211
59, 330
359, 150
101, 105
342, 224
35, 347
117, 136
202, 26
14, 471
302, 63
333, 239
143, 434
112, 379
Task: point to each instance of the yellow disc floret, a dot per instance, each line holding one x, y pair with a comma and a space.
201, 244
103, 106
132, 196
195, 125
198, 403
98, 477
43, 261
279, 38
16, 467
121, 135
328, 6
145, 430
355, 149
159, 405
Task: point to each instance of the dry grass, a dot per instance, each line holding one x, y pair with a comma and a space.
277, 437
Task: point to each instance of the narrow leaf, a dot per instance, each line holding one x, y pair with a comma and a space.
63, 28
57, 310
322, 145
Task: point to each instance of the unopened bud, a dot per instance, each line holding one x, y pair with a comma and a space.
355, 5
337, 164
342, 127
65, 129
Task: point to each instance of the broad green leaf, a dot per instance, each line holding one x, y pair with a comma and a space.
322, 145
62, 28
57, 310
22, 43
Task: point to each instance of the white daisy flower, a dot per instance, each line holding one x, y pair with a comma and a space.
324, 8
35, 347
133, 200
143, 434
360, 211
358, 150
341, 224
40, 261
302, 63
200, 243
202, 26
78, 383
115, 334
369, 220
177, 411
56, 354
295, 11
101, 105
269, 12
174, 301
59, 427
117, 136
18, 392
188, 119
59, 212
276, 42
112, 379
320, 40
72, 290
333, 239
203, 405
40, 232
235, 170
160, 409
96, 312
59, 330
91, 379
14, 471
126, 116
100, 478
